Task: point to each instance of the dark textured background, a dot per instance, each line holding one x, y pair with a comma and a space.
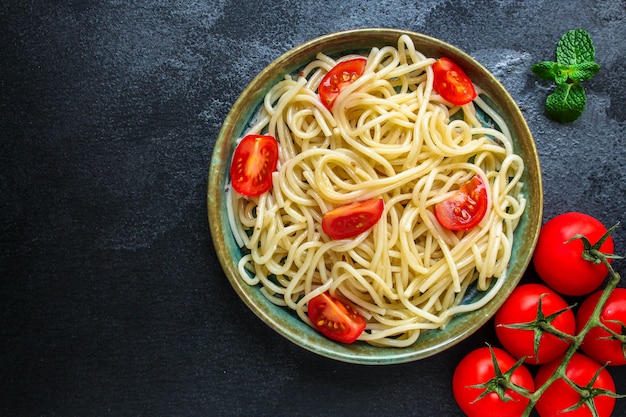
112, 300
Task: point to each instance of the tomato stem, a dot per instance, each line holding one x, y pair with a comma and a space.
621, 337
543, 324
501, 381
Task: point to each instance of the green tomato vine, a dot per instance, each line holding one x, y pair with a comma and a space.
542, 324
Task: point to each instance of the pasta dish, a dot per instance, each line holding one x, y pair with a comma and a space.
390, 137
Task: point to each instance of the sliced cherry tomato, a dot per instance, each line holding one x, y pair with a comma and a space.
522, 307
335, 319
466, 208
561, 396
599, 344
477, 368
340, 76
254, 161
352, 219
452, 83
559, 262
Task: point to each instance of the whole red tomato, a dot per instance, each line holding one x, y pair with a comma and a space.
559, 262
561, 396
477, 368
522, 307
598, 343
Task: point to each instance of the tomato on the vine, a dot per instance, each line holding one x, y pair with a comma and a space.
559, 261
338, 78
254, 161
451, 82
560, 396
599, 344
465, 208
522, 308
352, 219
477, 368
335, 319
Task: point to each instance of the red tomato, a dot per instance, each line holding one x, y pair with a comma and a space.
466, 208
560, 264
334, 319
340, 76
522, 307
477, 368
255, 158
561, 396
352, 219
598, 343
451, 82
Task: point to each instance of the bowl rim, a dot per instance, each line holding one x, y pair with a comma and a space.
239, 117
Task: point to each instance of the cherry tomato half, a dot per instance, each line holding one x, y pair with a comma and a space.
561, 396
559, 262
254, 161
352, 219
466, 208
451, 82
598, 343
522, 307
335, 319
340, 76
477, 368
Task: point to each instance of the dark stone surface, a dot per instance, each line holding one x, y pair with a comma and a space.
112, 300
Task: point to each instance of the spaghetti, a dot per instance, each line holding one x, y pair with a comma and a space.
389, 136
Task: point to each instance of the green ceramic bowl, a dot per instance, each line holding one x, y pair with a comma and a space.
286, 322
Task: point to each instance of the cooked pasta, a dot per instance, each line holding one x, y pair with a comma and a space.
389, 136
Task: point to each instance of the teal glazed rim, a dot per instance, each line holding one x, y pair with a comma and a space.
286, 322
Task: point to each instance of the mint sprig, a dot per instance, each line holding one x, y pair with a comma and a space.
575, 63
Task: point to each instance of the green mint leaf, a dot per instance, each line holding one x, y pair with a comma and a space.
566, 103
545, 70
575, 47
582, 71
561, 74
575, 62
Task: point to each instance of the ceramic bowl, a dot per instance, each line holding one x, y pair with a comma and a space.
286, 322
